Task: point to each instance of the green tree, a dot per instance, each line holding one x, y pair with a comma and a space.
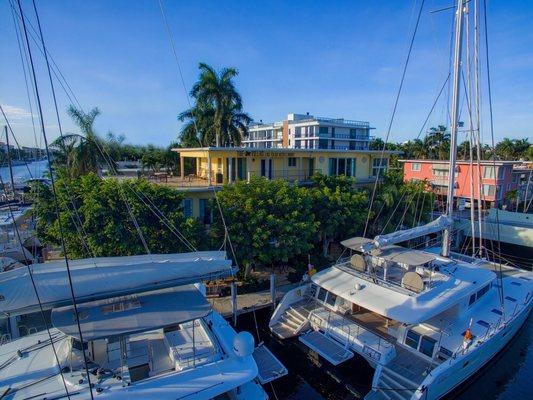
81, 153
269, 222
338, 207
96, 220
217, 115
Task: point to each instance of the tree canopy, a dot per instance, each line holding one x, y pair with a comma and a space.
217, 117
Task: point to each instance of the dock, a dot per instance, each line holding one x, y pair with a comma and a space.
248, 302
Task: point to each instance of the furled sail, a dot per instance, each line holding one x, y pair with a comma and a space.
99, 278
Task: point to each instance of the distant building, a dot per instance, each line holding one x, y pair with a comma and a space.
304, 131
209, 168
497, 178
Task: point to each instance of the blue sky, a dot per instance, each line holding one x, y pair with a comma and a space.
337, 58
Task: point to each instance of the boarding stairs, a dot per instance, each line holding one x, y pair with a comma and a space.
399, 379
294, 320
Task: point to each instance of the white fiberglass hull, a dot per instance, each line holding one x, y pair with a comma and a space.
452, 373
99, 278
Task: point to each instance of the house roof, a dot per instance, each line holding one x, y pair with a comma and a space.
277, 150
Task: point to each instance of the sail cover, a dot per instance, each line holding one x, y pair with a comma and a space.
99, 278
127, 315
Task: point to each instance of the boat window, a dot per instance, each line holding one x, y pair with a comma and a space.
331, 299
322, 294
482, 291
427, 345
525, 278
516, 283
483, 323
76, 344
495, 311
472, 299
412, 339
445, 351
510, 298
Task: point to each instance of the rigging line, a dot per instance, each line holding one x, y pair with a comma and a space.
491, 122
79, 226
56, 202
433, 106
30, 274
392, 214
171, 39
176, 58
393, 114
13, 135
17, 34
155, 210
57, 70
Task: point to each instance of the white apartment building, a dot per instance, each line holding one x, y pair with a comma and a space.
304, 131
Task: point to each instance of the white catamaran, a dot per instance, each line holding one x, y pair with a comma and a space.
147, 331
425, 322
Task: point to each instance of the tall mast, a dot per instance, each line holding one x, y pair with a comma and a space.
478, 125
446, 240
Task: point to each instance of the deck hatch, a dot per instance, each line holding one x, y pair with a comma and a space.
495, 311
510, 298
483, 323
516, 283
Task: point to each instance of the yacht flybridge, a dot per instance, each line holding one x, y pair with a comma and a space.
406, 312
146, 332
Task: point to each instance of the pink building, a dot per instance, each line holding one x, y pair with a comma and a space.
496, 178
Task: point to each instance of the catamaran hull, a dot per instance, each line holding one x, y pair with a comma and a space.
438, 385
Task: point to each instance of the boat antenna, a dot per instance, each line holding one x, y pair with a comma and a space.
446, 240
54, 192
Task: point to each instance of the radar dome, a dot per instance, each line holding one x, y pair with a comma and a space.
243, 344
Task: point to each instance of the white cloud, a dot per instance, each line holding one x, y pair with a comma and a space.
15, 113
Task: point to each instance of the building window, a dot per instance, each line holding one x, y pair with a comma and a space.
332, 166
187, 208
205, 211
415, 167
292, 161
323, 130
488, 173
489, 190
379, 166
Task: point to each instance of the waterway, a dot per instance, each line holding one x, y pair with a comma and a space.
506, 377
24, 172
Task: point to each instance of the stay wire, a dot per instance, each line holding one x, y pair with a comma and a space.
77, 221
56, 201
34, 285
402, 80
491, 121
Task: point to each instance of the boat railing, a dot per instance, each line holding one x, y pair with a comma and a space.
348, 332
344, 265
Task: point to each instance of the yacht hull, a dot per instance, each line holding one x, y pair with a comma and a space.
438, 385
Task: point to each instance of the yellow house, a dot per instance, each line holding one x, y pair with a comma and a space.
207, 168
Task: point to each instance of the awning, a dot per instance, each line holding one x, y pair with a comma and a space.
402, 255
132, 314
355, 243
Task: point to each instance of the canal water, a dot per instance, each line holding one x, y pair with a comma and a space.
24, 172
310, 377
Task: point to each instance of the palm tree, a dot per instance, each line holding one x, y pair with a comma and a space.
217, 115
81, 154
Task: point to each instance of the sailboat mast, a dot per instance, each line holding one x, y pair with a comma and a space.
446, 240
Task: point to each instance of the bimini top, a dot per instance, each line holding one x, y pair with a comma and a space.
132, 314
403, 255
457, 281
100, 278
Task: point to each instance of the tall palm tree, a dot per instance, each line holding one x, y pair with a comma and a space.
217, 115
81, 153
